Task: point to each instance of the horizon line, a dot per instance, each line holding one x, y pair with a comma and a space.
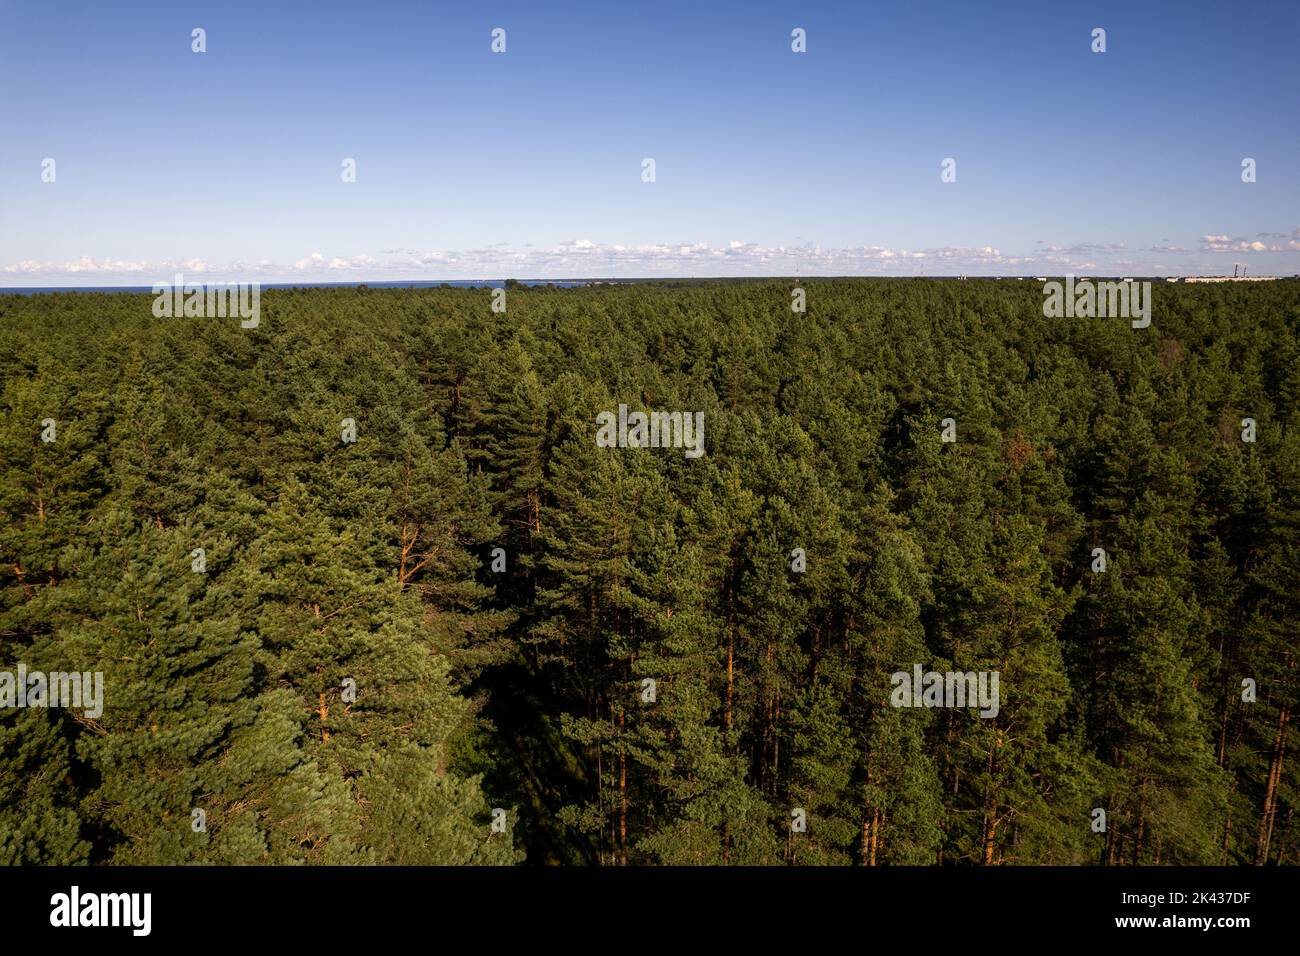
427, 283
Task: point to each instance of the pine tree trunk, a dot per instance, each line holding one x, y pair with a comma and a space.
991, 814
948, 750
990, 837
323, 711
767, 773
1270, 792
600, 800
1222, 749
776, 744
622, 790
405, 555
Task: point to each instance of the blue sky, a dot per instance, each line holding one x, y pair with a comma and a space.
528, 163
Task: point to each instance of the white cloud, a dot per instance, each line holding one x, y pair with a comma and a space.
584, 257
1084, 248
355, 262
1221, 243
82, 266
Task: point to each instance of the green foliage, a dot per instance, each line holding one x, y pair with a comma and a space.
682, 656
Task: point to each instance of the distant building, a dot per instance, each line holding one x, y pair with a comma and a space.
1231, 278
